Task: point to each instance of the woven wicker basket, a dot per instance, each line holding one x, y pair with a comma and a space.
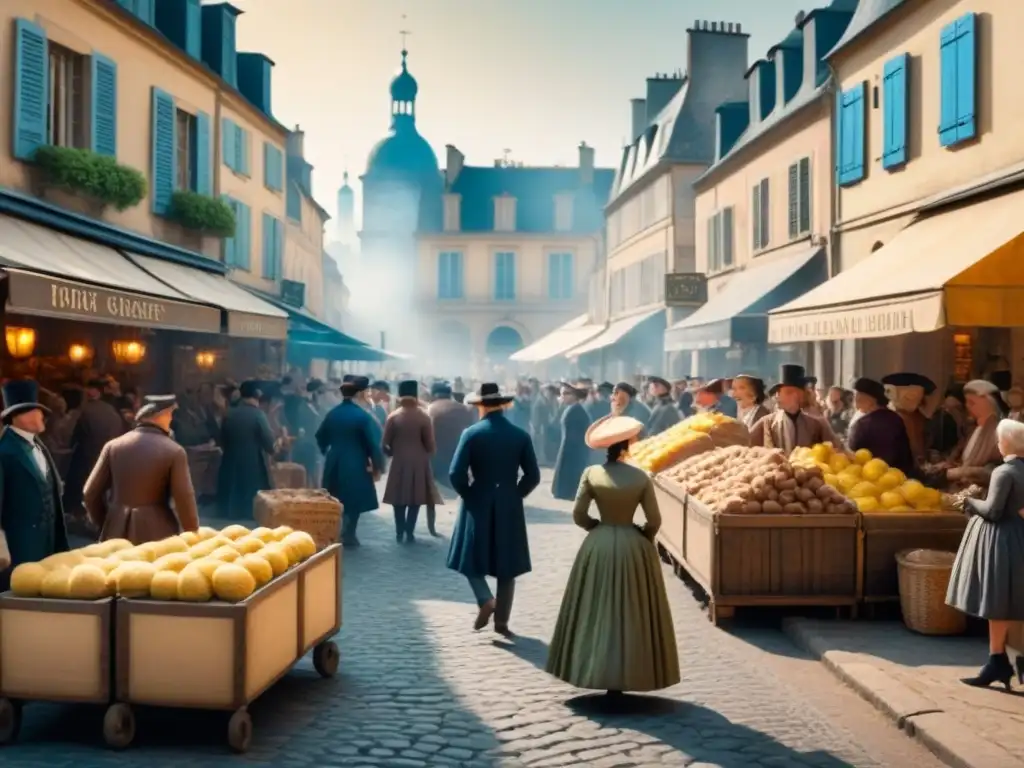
314, 511
924, 579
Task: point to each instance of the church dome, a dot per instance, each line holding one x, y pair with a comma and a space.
403, 152
404, 87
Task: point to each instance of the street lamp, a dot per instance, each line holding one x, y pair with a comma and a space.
79, 353
21, 342
129, 352
206, 359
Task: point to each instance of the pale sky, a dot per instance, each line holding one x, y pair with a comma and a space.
536, 77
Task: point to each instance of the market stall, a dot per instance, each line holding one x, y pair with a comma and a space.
205, 620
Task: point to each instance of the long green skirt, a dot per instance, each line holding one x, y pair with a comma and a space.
614, 630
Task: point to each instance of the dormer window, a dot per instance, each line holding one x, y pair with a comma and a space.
452, 204
505, 214
563, 212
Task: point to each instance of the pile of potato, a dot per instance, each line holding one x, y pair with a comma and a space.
196, 567
741, 480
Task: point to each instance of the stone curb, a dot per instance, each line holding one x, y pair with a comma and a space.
919, 717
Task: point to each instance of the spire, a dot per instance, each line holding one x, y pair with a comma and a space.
344, 179
403, 89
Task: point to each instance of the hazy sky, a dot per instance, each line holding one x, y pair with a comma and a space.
536, 77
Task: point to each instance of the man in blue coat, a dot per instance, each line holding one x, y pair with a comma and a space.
573, 454
490, 532
31, 513
350, 438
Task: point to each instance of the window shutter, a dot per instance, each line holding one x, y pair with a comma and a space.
278, 248
859, 141
894, 109
709, 248
805, 195
268, 246
456, 271
164, 155
766, 214
30, 88
104, 106
230, 259
227, 150
839, 138
949, 84
146, 11
443, 276
554, 275
204, 176
966, 59
243, 237
568, 279
755, 216
793, 209
241, 150
193, 29
727, 237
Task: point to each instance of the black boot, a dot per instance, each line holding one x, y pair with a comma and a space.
432, 521
400, 523
1020, 669
348, 531
412, 515
997, 670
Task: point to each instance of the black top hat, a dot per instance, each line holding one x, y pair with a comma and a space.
489, 394
911, 380
790, 376
625, 386
353, 385
440, 389
248, 390
315, 385
1002, 379
606, 387
20, 396
156, 404
872, 389
409, 389
659, 382
756, 382
381, 386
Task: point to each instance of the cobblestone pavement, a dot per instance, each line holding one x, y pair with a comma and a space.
417, 687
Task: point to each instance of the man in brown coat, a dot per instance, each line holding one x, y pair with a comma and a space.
143, 472
449, 419
790, 426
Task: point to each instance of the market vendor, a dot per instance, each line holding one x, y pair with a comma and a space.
750, 394
978, 455
907, 392
664, 412
145, 476
880, 430
790, 427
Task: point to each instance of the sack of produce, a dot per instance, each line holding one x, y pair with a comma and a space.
730, 433
312, 510
660, 452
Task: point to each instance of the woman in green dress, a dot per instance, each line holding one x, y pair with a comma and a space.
614, 630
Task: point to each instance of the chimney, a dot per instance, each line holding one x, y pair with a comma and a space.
296, 143
660, 90
254, 76
788, 60
822, 29
638, 109
731, 120
181, 23
586, 163
716, 56
453, 162
218, 40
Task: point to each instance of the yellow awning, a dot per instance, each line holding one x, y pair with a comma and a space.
961, 267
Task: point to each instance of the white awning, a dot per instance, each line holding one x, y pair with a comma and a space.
248, 316
559, 341
615, 332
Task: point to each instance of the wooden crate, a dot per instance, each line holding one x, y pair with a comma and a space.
222, 656
52, 650
672, 505
883, 534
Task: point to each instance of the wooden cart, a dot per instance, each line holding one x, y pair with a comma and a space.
39, 663
767, 560
672, 534
222, 656
883, 534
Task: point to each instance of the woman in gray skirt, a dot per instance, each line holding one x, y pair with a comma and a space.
988, 575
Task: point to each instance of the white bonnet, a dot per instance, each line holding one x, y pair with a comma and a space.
979, 387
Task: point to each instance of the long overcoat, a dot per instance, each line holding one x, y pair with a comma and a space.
490, 532
665, 414
409, 442
450, 420
248, 446
573, 454
350, 439
31, 513
98, 423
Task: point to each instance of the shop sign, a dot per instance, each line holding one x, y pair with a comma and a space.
686, 289
890, 320
249, 326
42, 295
293, 293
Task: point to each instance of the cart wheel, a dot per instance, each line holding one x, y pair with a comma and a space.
10, 720
119, 726
326, 658
240, 731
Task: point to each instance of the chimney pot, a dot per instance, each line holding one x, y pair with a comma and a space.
739, 28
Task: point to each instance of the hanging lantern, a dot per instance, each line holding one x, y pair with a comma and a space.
129, 352
21, 342
206, 359
79, 353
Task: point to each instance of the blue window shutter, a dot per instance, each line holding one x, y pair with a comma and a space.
456, 273
499, 275
164, 155
894, 109
193, 29
554, 275
266, 239
838, 148
230, 258
146, 11
293, 202
227, 131
568, 281
278, 248
241, 150
266, 165
104, 106
849, 138
443, 276
949, 85
31, 91
966, 72
243, 237
860, 143
203, 175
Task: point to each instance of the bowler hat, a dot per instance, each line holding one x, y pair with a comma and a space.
155, 404
489, 394
354, 385
20, 396
249, 390
790, 376
872, 389
611, 430
409, 389
440, 389
910, 380
381, 386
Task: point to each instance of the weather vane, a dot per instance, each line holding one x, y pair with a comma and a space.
404, 32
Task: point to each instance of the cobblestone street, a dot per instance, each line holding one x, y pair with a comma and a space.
418, 687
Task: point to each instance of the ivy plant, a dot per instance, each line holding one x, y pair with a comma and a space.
202, 213
83, 172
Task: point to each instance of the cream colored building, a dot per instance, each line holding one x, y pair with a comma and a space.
512, 262
650, 217
928, 217
764, 208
